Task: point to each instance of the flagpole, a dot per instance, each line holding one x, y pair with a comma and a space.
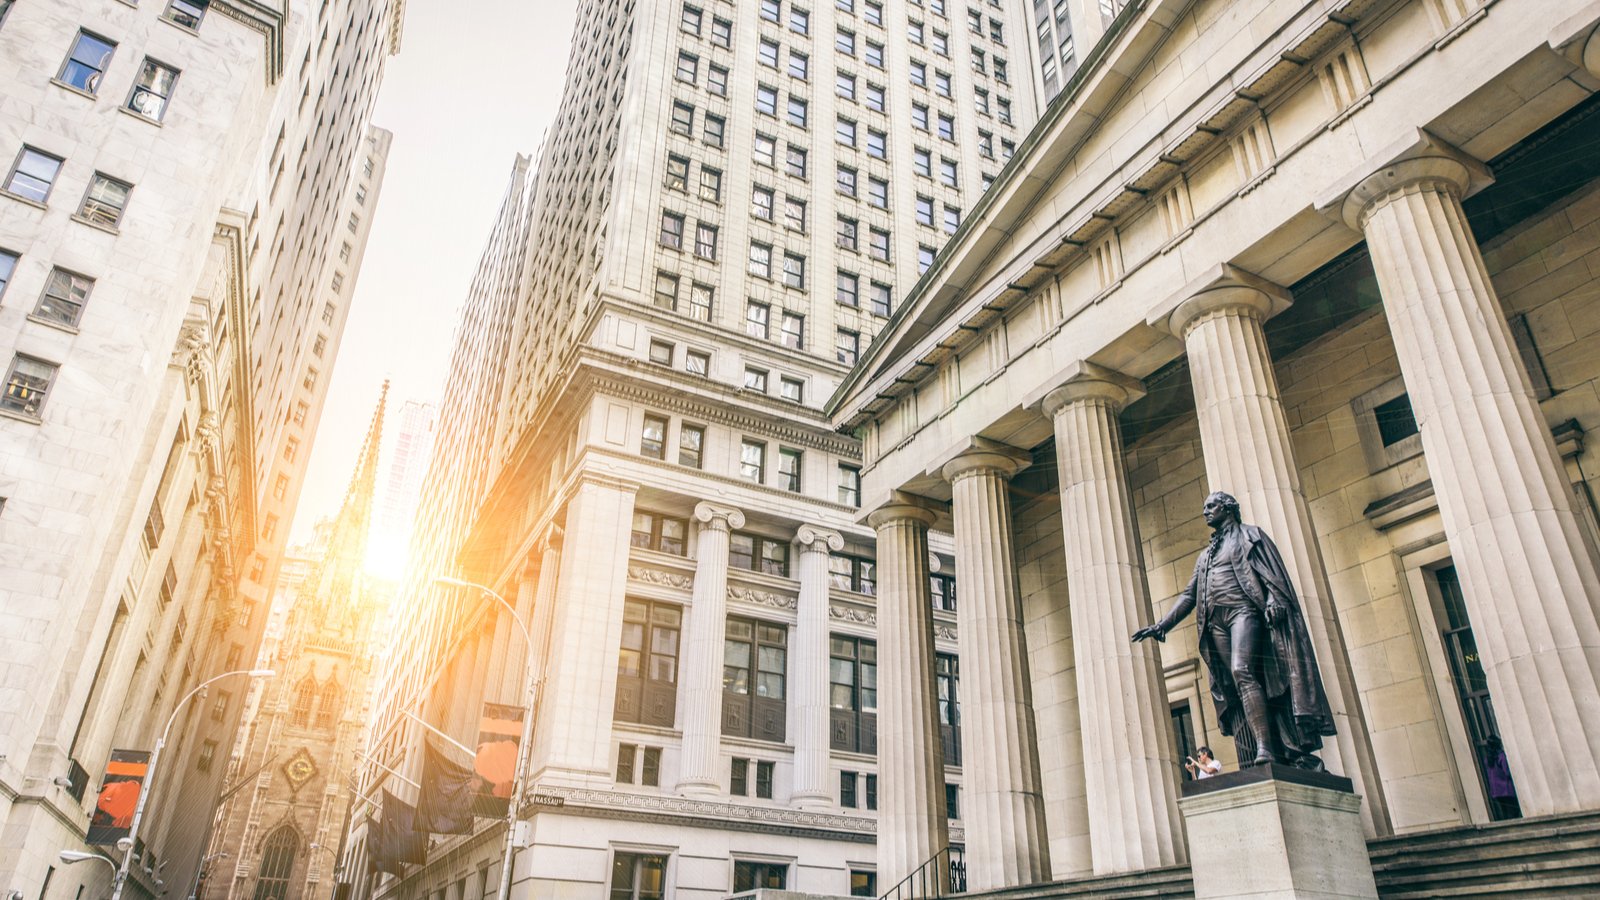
442, 736
513, 807
389, 770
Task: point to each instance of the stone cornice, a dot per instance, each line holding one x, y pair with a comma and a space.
598, 373
887, 373
685, 812
266, 18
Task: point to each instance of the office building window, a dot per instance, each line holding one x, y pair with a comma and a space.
700, 301
705, 241
849, 486
758, 553
761, 260
789, 468
28, 383
691, 445
661, 352
881, 299
666, 294
753, 460
653, 443
8, 265
853, 694
847, 346
847, 288
853, 573
65, 295
638, 876
750, 876
791, 389
755, 379
659, 532
672, 230
186, 13
697, 362
85, 65
757, 317
33, 174
792, 333
754, 680
647, 663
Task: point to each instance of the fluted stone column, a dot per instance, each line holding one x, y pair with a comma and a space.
1130, 764
911, 814
1530, 580
1004, 806
700, 712
808, 669
1245, 439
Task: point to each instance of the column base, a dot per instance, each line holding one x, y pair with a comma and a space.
811, 801
1276, 833
699, 788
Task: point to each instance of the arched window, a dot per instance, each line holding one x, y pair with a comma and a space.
277, 863
328, 705
305, 693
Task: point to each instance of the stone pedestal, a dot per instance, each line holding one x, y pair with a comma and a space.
1276, 833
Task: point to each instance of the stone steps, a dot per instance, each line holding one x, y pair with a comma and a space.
1171, 883
1555, 856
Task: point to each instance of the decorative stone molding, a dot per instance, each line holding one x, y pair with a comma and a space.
658, 577
976, 455
762, 598
853, 615
263, 18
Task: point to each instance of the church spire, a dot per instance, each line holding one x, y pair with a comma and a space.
347, 543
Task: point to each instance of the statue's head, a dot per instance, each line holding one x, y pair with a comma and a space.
1220, 507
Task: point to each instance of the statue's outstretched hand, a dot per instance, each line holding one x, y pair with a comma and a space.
1150, 631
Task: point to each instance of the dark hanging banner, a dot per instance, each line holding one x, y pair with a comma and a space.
119, 796
446, 801
393, 839
499, 733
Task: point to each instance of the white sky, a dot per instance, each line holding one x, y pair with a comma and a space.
476, 82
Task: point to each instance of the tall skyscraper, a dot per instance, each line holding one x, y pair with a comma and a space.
400, 489
633, 451
189, 195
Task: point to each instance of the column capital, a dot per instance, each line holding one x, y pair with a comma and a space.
1084, 380
1417, 158
815, 538
550, 539
1578, 38
1222, 287
718, 516
976, 454
900, 506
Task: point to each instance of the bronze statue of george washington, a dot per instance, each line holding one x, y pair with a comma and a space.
1253, 637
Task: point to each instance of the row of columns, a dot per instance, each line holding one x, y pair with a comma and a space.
1531, 580
700, 707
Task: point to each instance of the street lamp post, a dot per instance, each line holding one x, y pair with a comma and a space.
150, 774
512, 807
200, 872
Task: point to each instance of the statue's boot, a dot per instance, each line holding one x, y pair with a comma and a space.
1254, 701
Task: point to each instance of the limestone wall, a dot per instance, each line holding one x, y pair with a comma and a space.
1545, 269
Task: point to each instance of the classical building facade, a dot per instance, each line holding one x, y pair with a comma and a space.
1333, 258
731, 198
279, 835
188, 197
